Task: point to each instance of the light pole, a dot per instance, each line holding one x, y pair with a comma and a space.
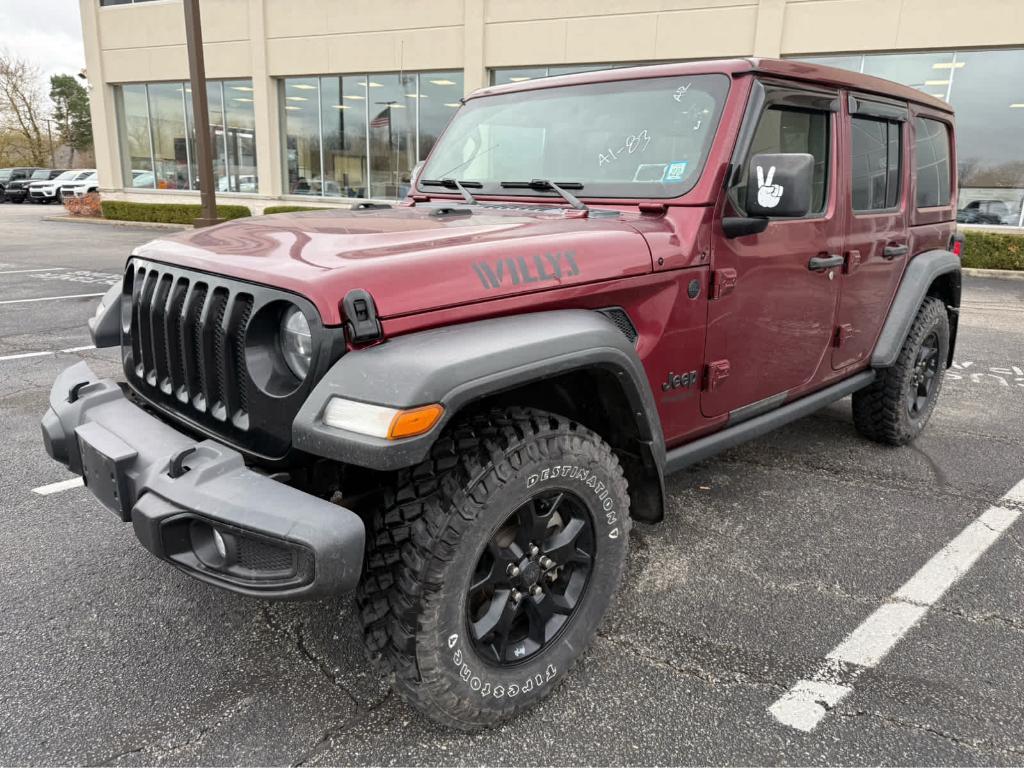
200, 111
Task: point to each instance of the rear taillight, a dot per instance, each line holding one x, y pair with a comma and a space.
956, 245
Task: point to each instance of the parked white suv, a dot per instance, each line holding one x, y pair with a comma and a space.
49, 191
82, 187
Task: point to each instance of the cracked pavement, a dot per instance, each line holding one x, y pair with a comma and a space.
769, 556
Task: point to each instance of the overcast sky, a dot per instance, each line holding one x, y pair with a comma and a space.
48, 33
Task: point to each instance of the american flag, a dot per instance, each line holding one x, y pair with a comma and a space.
383, 120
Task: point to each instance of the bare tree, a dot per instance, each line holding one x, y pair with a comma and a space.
23, 106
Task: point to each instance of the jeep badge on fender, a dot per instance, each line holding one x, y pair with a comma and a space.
455, 407
677, 380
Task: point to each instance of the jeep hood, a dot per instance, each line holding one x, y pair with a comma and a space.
413, 259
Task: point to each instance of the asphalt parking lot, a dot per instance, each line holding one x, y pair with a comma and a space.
771, 555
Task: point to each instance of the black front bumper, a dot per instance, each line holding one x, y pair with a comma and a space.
16, 195
196, 504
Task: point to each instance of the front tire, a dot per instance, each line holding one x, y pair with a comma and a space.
488, 576
898, 403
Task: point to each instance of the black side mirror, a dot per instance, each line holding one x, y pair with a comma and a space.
779, 185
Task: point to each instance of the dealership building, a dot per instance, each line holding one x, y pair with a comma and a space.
334, 101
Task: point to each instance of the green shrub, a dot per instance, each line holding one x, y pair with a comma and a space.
993, 250
290, 209
166, 213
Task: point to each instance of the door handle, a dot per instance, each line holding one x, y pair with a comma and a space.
894, 251
823, 263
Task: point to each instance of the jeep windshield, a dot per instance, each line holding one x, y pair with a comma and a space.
646, 138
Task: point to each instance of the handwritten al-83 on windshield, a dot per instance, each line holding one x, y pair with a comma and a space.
635, 142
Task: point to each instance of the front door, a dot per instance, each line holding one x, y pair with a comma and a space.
772, 331
876, 250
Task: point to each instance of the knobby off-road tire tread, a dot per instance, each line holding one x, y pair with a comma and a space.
418, 532
880, 409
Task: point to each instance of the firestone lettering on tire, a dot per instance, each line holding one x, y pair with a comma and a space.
574, 472
480, 685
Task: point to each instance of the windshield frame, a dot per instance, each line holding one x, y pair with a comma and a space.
598, 192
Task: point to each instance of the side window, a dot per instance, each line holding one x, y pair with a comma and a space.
875, 150
785, 129
931, 162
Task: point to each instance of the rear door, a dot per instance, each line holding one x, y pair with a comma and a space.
877, 239
770, 318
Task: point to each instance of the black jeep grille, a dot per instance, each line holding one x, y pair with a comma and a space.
185, 352
193, 355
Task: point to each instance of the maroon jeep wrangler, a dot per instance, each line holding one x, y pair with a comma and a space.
456, 406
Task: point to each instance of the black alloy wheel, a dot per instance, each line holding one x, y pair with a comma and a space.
530, 578
922, 379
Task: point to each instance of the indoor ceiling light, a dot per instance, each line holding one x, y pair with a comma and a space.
304, 87
354, 97
292, 109
371, 84
519, 79
936, 82
453, 104
948, 65
443, 82
296, 98
1017, 106
239, 98
397, 106
245, 88
939, 96
415, 95
342, 106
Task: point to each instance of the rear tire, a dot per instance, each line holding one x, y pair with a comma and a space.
490, 571
898, 403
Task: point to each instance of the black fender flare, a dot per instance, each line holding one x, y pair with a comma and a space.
457, 365
920, 274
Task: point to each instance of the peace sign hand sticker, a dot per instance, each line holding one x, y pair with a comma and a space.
768, 194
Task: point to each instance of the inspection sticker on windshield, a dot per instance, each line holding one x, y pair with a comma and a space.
675, 171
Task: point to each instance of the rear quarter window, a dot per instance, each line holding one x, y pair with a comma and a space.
932, 163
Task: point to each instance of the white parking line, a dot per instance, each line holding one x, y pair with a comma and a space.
38, 269
52, 298
23, 355
805, 704
63, 485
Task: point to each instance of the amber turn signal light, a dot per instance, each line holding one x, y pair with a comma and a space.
415, 421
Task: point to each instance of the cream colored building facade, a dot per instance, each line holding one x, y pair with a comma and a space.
269, 41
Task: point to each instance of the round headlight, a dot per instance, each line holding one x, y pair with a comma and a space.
296, 342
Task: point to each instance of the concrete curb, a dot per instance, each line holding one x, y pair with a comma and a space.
115, 223
1003, 274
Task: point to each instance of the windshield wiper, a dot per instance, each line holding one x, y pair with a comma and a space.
571, 199
455, 184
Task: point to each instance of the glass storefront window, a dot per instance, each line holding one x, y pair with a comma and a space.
392, 133
984, 87
170, 143
503, 76
362, 135
343, 105
158, 142
438, 99
239, 137
136, 149
988, 95
302, 135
